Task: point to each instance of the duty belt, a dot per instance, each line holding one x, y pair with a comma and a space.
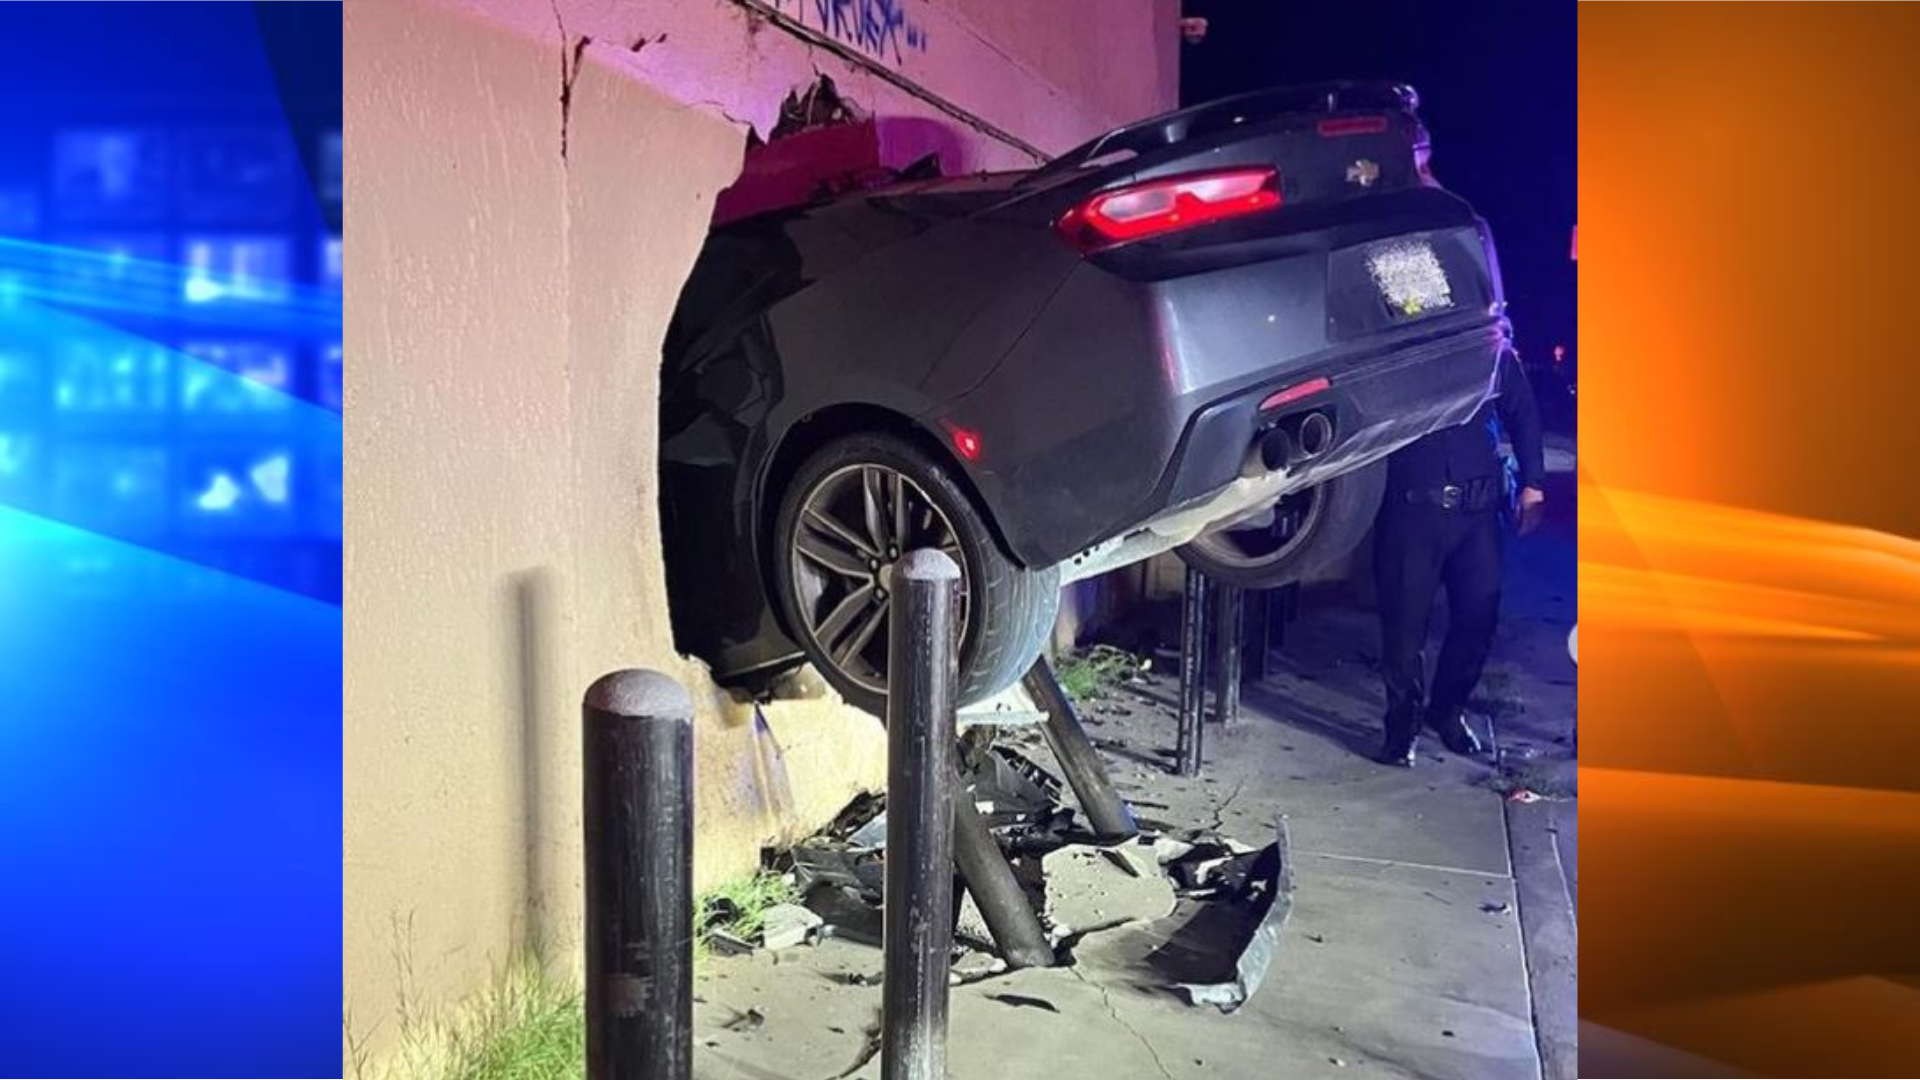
1473, 495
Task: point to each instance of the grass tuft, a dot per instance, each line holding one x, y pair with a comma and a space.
530, 1025
1541, 778
740, 907
532, 1029
1095, 673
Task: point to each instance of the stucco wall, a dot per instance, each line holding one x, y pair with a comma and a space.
506, 305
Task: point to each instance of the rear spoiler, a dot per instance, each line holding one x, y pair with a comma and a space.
1175, 127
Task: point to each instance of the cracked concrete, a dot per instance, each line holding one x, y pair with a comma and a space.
1106, 999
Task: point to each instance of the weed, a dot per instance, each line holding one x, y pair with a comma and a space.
739, 908
531, 1029
528, 1026
1094, 673
1537, 777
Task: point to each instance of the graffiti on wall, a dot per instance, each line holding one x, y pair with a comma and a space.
881, 28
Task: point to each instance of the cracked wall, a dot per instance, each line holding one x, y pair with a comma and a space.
530, 181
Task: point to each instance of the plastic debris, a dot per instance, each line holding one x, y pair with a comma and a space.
871, 835
1266, 887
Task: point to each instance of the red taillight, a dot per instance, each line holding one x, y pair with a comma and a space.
1342, 126
1169, 205
1295, 393
967, 443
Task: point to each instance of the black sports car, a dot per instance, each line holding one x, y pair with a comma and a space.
1198, 332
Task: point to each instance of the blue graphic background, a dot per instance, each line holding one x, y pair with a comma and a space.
170, 494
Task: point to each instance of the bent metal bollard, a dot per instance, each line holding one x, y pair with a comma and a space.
1010, 920
923, 670
1106, 811
639, 838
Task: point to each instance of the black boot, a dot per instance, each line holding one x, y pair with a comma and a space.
1455, 732
1397, 749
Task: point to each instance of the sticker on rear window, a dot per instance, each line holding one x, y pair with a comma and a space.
1410, 277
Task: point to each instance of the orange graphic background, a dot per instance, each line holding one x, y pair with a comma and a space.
1750, 597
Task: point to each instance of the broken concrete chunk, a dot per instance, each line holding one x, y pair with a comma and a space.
725, 944
1086, 890
787, 925
971, 972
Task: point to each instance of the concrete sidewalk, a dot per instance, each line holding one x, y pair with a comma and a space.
1404, 955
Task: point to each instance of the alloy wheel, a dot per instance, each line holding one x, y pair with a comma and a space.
853, 528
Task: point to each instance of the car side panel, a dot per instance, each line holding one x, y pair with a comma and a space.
886, 303
1079, 419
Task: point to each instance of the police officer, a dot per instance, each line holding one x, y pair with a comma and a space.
1440, 524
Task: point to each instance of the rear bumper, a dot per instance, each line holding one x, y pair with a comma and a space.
1378, 403
1136, 389
1067, 469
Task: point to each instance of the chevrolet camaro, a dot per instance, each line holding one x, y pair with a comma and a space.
1199, 332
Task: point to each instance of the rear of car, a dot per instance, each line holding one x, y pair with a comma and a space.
1158, 334
1240, 267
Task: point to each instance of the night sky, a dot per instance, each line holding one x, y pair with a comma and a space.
1497, 86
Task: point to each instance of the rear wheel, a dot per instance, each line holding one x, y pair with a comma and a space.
1306, 532
852, 510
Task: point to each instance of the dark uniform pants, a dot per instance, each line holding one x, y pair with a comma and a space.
1417, 548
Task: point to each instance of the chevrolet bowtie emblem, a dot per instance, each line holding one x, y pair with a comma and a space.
1363, 172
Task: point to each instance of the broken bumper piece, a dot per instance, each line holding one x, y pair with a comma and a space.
1268, 890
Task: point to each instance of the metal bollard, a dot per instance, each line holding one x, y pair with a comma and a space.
639, 838
1258, 638
923, 670
1106, 811
1193, 633
1008, 914
1230, 604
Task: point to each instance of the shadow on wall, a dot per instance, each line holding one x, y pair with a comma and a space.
530, 607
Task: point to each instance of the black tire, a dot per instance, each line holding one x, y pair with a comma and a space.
1008, 611
1339, 513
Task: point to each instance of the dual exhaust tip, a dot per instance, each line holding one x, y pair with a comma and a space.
1296, 441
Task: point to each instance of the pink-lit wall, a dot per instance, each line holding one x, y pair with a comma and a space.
1049, 74
529, 182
